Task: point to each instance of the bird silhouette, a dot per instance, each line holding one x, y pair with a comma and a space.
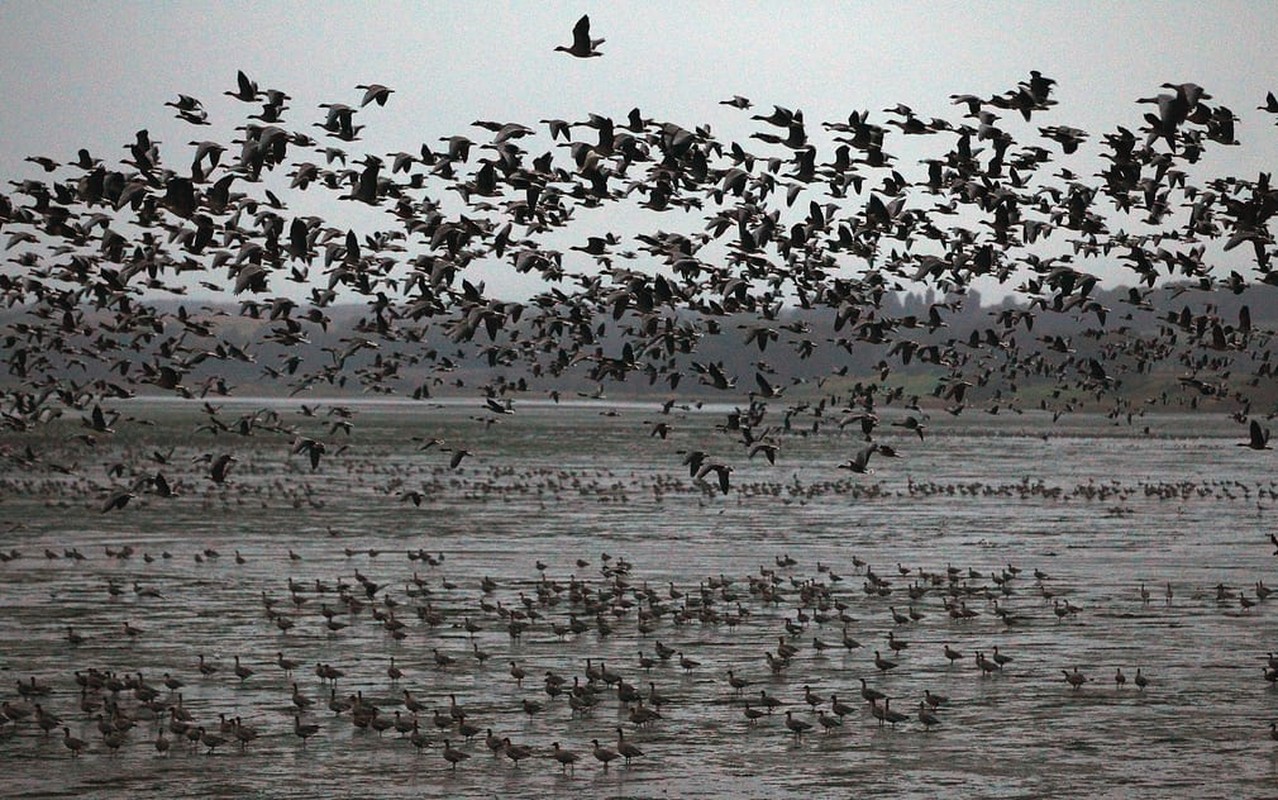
582, 45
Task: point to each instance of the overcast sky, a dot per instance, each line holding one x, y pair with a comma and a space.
90, 74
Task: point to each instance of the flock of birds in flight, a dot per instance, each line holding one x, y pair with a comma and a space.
97, 245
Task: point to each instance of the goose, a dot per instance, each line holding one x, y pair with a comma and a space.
603, 754
566, 758
177, 725
419, 740
751, 713
870, 694
339, 704
1000, 659
768, 701
593, 672
911, 423
442, 721
581, 703
1120, 680
211, 740
45, 720
517, 672
641, 715
454, 756
221, 467
927, 717
115, 740
412, 703
1075, 679
302, 730
74, 744
839, 708
860, 462
655, 698
796, 726
374, 93
811, 698
532, 707
286, 664
627, 750
1141, 681
582, 45
1258, 438
493, 742
243, 733
986, 665
890, 716
162, 744
882, 663
403, 725
878, 712
515, 752
829, 722
785, 650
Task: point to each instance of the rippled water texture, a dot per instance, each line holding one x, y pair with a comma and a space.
1099, 509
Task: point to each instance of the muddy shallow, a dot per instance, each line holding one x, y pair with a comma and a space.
1099, 510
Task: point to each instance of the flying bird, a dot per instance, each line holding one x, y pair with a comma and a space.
221, 466
374, 93
118, 500
721, 470
313, 449
582, 45
1259, 439
861, 461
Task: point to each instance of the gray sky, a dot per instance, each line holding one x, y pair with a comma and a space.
90, 74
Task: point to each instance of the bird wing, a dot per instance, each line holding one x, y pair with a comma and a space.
581, 34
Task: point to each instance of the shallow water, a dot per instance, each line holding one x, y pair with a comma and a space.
1100, 509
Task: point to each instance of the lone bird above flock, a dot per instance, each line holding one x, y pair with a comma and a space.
582, 45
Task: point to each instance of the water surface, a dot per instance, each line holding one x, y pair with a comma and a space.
1099, 509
